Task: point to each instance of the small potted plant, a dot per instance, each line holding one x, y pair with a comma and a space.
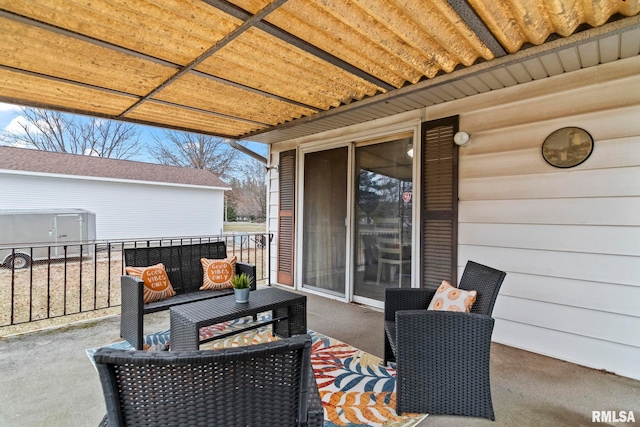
241, 287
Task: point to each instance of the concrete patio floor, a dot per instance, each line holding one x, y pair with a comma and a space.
46, 378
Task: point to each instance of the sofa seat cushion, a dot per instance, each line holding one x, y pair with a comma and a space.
185, 298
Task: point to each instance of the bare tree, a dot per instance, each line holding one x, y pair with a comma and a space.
247, 178
195, 151
53, 131
249, 192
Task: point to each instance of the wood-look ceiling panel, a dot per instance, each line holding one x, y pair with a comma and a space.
40, 51
207, 94
241, 67
261, 61
393, 40
312, 23
16, 86
173, 30
174, 117
516, 22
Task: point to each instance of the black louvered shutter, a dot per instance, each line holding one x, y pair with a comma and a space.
287, 169
439, 233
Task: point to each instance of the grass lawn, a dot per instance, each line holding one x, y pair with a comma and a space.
244, 227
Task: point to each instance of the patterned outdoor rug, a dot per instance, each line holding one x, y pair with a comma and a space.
354, 388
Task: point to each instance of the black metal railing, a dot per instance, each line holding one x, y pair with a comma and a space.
45, 281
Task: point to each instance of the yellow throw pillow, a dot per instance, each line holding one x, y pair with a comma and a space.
217, 273
156, 282
448, 298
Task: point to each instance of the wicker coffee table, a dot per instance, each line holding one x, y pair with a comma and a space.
288, 316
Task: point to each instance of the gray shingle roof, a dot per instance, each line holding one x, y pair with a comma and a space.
22, 159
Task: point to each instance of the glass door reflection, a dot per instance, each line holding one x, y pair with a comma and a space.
383, 209
324, 233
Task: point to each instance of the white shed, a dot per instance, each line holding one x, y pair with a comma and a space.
131, 200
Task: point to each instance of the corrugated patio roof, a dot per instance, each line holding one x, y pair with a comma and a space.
38, 161
253, 69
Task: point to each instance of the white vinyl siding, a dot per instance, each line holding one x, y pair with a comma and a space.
123, 210
569, 239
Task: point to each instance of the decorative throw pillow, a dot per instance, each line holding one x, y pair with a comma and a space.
217, 273
156, 282
448, 298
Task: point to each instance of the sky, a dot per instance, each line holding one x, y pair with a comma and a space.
10, 117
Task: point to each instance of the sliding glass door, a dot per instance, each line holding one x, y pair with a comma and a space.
356, 219
324, 227
383, 217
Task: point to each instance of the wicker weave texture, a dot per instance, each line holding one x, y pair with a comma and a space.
261, 385
184, 269
443, 363
182, 262
443, 357
187, 319
486, 281
396, 300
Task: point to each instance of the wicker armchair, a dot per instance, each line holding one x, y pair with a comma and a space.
443, 357
258, 385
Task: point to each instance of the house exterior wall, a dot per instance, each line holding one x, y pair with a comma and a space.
124, 210
569, 239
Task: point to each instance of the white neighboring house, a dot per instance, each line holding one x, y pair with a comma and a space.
131, 200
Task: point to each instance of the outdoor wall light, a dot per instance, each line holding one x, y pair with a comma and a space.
462, 139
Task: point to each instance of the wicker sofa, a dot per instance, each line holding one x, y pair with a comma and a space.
185, 273
269, 384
